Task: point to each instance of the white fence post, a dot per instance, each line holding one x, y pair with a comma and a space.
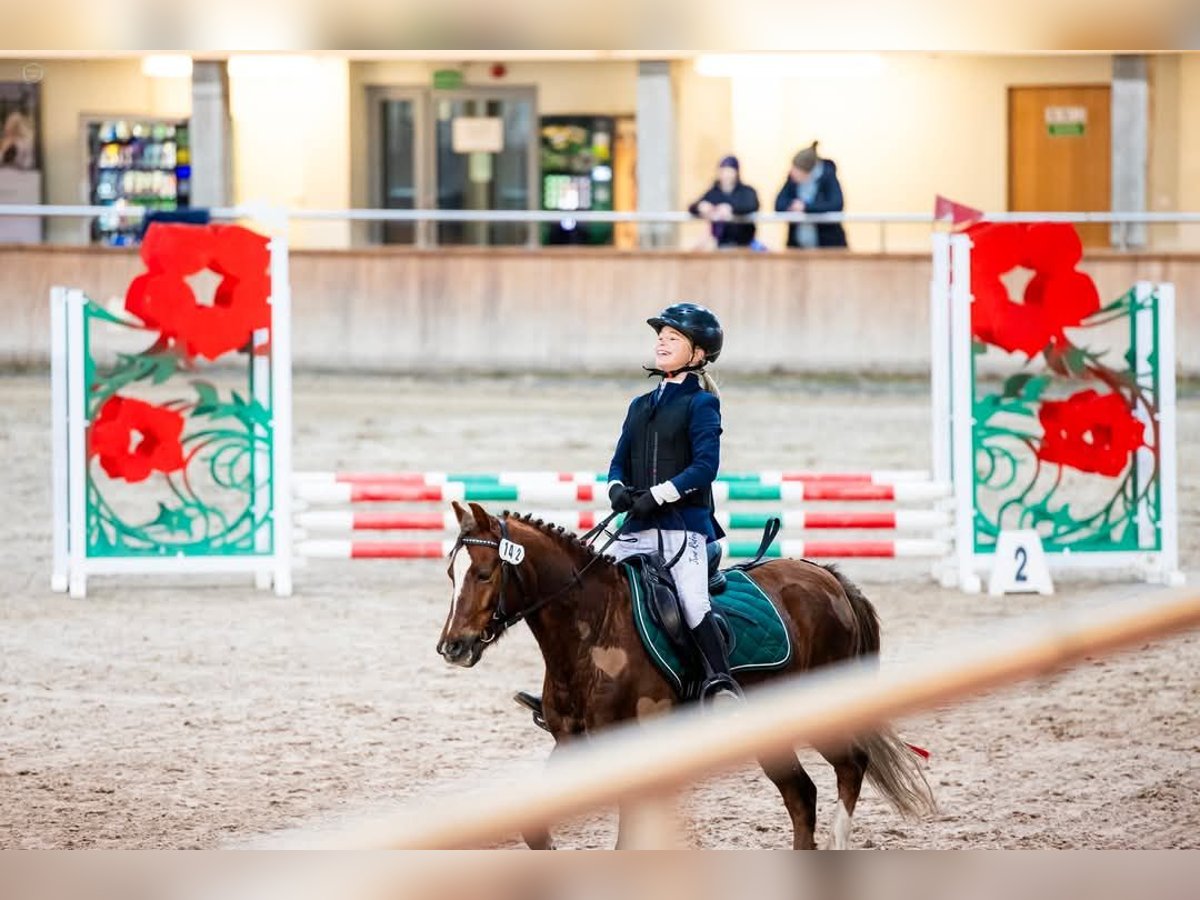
260, 377
1142, 363
962, 404
939, 363
59, 462
77, 425
939, 377
1168, 452
281, 403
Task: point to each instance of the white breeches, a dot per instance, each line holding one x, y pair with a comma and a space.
690, 574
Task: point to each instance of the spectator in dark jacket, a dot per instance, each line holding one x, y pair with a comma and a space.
813, 187
728, 197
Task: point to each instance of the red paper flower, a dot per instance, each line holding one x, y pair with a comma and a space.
134, 438
163, 299
1058, 297
1090, 432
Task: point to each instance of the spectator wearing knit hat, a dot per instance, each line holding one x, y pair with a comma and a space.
812, 186
729, 196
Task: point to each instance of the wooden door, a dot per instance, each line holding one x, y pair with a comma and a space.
625, 235
1060, 152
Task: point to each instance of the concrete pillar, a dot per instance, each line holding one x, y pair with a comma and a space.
656, 152
1130, 144
211, 144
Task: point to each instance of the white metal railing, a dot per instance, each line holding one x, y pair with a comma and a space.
1124, 221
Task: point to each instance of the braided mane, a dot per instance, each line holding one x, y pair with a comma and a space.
563, 537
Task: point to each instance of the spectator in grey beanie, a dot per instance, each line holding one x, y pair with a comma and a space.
812, 186
729, 196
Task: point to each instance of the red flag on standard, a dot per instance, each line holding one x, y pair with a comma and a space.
957, 214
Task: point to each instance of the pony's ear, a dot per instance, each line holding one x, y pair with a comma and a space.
482, 520
466, 517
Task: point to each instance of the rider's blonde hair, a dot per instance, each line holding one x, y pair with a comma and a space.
707, 382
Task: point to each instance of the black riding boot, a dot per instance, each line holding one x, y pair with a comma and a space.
533, 703
711, 644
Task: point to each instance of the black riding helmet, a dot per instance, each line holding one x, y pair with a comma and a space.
697, 323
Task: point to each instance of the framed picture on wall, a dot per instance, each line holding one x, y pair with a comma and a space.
20, 113
20, 158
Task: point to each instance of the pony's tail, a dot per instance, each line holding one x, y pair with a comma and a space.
867, 643
894, 771
893, 766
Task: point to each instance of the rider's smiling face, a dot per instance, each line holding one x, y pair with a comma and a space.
673, 351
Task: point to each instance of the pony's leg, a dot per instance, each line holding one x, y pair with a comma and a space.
540, 839
799, 796
649, 824
850, 765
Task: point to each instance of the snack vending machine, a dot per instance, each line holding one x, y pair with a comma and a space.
135, 163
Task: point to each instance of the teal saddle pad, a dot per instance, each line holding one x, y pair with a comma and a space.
759, 638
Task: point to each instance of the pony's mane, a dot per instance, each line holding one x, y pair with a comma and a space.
563, 537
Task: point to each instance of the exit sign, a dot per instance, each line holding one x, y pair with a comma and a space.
1066, 121
448, 79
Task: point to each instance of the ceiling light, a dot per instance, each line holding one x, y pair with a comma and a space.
167, 65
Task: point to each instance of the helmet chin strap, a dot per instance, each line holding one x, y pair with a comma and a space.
694, 367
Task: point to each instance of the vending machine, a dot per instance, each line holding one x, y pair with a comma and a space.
135, 162
577, 176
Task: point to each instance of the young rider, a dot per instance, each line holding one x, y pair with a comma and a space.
663, 469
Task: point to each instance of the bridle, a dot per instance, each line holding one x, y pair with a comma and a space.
511, 555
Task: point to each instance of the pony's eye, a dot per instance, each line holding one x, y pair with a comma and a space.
484, 576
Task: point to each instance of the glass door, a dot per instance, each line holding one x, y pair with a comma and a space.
485, 145
397, 145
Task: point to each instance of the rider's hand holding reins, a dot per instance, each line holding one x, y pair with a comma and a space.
620, 497
644, 506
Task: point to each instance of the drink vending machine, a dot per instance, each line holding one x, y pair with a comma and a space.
577, 176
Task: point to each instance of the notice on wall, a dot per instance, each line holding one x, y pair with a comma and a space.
1066, 121
477, 134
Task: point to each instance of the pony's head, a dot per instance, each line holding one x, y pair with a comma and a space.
478, 584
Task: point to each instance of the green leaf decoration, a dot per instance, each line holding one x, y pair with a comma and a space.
1013, 386
176, 521
250, 413
1035, 387
1076, 361
99, 312
209, 400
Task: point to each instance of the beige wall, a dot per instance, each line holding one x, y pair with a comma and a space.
705, 114
291, 138
71, 90
926, 124
1189, 143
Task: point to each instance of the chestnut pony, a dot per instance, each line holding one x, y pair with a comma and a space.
577, 604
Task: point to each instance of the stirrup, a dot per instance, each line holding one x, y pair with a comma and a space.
534, 705
720, 684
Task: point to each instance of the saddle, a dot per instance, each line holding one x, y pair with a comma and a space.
666, 612
755, 636
662, 600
